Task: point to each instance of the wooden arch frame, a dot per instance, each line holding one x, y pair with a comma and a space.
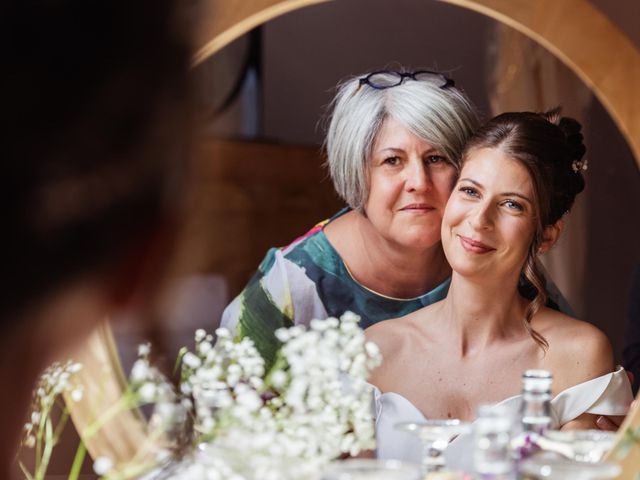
573, 30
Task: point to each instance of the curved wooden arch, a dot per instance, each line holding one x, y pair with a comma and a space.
573, 30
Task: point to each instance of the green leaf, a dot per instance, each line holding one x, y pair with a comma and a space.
259, 319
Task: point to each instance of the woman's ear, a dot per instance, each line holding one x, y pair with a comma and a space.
551, 235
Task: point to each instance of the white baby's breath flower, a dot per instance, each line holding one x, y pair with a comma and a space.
147, 392
204, 347
249, 400
350, 317
283, 334
372, 349
29, 441
191, 360
223, 333
75, 367
144, 349
102, 465
207, 425
77, 393
200, 334
140, 371
278, 379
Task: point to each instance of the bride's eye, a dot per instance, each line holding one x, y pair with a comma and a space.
513, 205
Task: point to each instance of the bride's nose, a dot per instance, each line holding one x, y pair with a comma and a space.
481, 217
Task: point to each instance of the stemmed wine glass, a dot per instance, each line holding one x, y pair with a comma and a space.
580, 445
434, 436
549, 466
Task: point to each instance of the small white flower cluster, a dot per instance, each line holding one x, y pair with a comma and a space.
224, 380
149, 386
312, 406
147, 382
249, 422
55, 380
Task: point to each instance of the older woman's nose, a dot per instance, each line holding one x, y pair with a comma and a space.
418, 177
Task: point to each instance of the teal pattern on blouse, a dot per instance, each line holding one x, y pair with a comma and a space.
308, 280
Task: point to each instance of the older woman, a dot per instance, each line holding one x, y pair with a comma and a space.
393, 147
520, 175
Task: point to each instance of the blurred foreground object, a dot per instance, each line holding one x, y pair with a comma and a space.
94, 138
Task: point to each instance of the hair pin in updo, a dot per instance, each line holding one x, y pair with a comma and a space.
579, 165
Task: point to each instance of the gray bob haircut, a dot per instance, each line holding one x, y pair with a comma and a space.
444, 117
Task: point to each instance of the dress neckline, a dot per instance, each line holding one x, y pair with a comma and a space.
560, 397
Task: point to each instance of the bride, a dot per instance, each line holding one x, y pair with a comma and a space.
520, 175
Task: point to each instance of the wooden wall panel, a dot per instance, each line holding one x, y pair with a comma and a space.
249, 196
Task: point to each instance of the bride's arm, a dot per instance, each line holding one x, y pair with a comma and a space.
586, 421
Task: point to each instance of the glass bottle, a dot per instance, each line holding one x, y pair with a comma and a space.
492, 457
535, 409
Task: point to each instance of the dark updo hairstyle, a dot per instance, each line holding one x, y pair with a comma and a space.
551, 148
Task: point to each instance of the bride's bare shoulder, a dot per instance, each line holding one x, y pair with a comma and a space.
387, 332
578, 351
391, 334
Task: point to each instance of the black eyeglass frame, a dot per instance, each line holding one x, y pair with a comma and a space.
448, 82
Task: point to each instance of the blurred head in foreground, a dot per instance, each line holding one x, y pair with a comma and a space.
93, 127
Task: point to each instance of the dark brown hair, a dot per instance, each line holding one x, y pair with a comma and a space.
551, 148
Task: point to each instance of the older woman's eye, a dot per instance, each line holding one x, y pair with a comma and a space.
391, 160
469, 191
436, 159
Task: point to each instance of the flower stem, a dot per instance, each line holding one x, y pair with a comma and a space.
125, 402
60, 427
78, 460
46, 452
26, 473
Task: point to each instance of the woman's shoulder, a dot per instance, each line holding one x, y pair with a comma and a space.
387, 331
578, 351
390, 334
394, 333
560, 327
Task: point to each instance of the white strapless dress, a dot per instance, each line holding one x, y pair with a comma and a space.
609, 394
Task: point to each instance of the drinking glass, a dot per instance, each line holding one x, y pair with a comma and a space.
434, 436
371, 469
580, 445
549, 466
